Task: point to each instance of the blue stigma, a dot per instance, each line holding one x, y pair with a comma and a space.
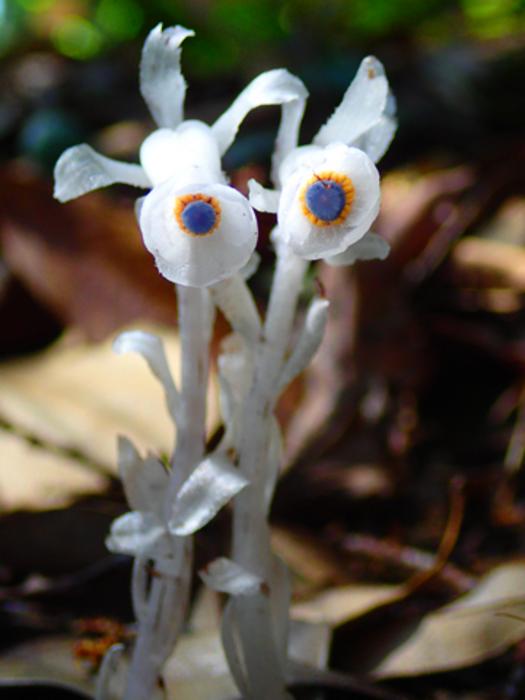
199, 217
325, 199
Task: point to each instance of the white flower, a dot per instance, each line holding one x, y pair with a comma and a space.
147, 530
140, 532
327, 194
330, 200
198, 229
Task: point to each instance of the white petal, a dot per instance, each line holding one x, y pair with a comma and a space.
198, 261
306, 158
107, 671
274, 87
304, 237
144, 480
208, 488
370, 247
234, 299
263, 199
135, 534
308, 342
131, 465
186, 154
161, 82
377, 139
363, 105
251, 266
226, 576
151, 348
80, 169
233, 649
288, 134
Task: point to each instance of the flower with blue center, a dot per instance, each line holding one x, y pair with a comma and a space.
198, 228
327, 194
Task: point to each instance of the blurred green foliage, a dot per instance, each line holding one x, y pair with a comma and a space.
233, 31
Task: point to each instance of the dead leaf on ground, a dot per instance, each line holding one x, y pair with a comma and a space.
32, 477
78, 398
47, 659
491, 273
339, 605
309, 559
85, 260
477, 626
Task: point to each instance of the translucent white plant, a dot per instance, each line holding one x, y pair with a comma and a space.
202, 234
199, 231
326, 198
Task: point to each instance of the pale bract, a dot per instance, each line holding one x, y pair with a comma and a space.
198, 229
145, 531
327, 194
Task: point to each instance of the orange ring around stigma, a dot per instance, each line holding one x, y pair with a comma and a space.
349, 191
182, 201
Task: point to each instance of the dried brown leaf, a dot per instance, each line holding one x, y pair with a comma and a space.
80, 397
477, 626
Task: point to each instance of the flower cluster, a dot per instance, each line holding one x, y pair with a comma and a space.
199, 229
327, 194
202, 235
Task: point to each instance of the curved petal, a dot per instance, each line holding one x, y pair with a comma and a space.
192, 259
144, 480
262, 198
108, 669
234, 299
300, 230
274, 87
378, 138
135, 534
361, 108
151, 348
81, 169
288, 133
251, 266
308, 342
208, 488
186, 154
226, 576
370, 247
232, 644
161, 82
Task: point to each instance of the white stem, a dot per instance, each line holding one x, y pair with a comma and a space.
251, 535
139, 585
163, 613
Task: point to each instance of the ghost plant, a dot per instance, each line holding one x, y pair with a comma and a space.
202, 234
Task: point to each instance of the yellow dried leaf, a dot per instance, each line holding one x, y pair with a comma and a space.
79, 398
344, 603
32, 477
477, 626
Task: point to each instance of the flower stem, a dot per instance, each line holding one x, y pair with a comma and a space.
263, 650
163, 613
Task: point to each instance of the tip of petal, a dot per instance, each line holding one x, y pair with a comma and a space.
134, 341
373, 66
172, 36
62, 189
